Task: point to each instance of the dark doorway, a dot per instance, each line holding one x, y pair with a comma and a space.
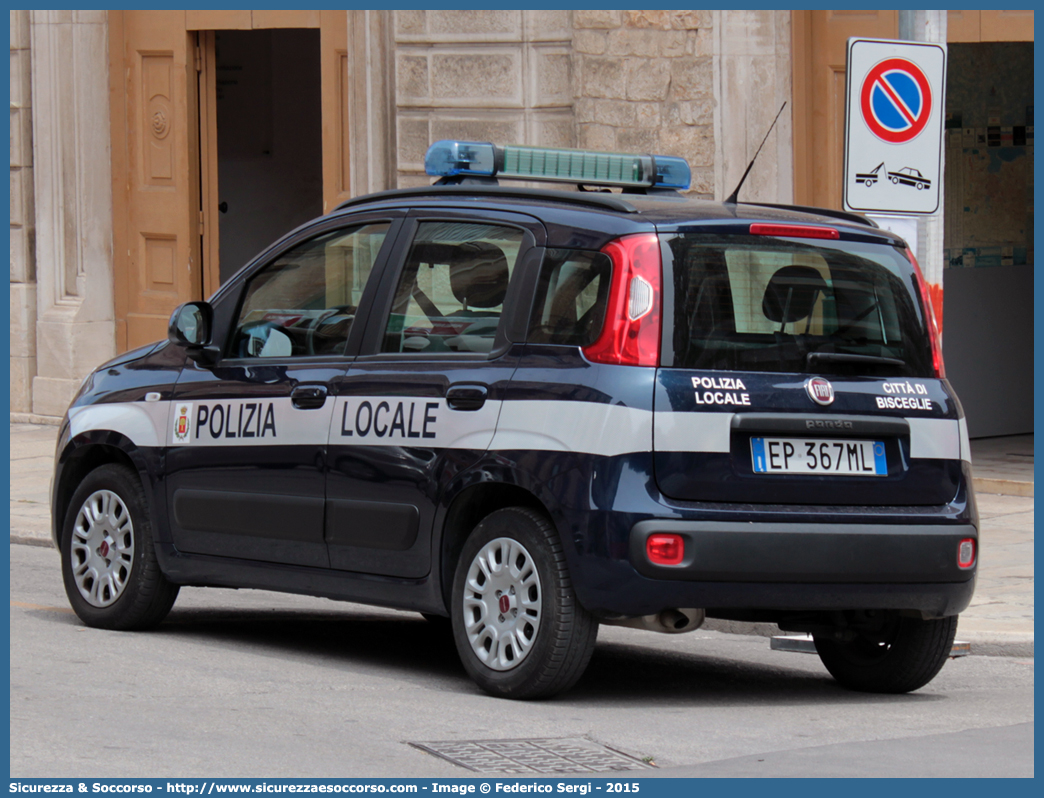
988, 283
269, 124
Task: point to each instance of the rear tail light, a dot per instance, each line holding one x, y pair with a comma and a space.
631, 335
665, 549
966, 553
930, 319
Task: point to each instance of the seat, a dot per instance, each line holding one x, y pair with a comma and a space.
791, 295
478, 278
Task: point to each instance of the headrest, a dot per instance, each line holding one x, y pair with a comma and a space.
792, 291
478, 271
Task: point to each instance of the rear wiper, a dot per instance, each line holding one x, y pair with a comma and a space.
844, 357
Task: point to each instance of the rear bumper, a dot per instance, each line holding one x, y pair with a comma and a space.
788, 567
720, 551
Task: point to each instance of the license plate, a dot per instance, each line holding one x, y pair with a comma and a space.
818, 456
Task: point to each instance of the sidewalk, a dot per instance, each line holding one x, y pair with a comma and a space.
998, 622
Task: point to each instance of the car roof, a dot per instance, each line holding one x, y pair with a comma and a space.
665, 209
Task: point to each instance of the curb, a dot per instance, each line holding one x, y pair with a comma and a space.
32, 418
983, 644
1006, 487
31, 540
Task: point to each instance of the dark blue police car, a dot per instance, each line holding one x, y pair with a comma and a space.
535, 411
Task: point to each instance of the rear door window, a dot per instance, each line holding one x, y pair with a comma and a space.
750, 304
452, 289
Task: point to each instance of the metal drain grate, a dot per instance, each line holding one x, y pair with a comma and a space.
563, 755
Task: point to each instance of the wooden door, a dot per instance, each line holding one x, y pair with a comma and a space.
210, 217
155, 161
820, 44
989, 26
333, 46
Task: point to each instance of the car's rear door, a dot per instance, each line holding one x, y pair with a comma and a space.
420, 403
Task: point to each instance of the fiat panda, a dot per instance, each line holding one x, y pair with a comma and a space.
532, 411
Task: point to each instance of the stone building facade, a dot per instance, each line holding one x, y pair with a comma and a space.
23, 219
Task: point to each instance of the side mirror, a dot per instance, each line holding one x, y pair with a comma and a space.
190, 327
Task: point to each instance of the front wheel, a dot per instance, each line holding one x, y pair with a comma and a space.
905, 654
109, 566
519, 629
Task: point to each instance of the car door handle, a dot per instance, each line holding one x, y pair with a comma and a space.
466, 396
308, 397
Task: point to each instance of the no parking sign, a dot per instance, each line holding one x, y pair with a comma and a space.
895, 104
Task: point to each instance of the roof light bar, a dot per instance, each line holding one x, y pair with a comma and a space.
471, 158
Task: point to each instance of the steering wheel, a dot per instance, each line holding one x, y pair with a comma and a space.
335, 315
251, 337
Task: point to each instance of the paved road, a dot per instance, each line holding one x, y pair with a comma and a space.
245, 683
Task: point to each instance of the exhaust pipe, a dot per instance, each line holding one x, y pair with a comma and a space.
671, 621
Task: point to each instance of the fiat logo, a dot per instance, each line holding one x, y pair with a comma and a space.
820, 391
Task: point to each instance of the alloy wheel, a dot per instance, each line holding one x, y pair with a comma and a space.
502, 598
102, 550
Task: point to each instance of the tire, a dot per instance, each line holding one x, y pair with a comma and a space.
540, 640
109, 515
904, 657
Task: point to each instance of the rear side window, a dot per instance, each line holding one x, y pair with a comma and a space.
571, 297
749, 303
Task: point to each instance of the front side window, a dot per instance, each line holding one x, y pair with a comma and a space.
303, 303
751, 304
451, 292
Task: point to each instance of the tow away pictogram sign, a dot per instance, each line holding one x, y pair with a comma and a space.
895, 103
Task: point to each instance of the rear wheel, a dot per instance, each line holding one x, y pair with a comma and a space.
109, 566
519, 629
905, 654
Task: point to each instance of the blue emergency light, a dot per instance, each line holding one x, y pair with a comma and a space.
482, 159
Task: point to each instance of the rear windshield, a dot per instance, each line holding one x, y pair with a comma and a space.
752, 303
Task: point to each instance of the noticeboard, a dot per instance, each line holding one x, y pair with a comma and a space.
895, 104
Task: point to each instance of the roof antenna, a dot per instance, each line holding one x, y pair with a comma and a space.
733, 197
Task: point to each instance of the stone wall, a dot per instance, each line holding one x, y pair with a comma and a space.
644, 82
23, 264
75, 326
500, 76
753, 76
702, 85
